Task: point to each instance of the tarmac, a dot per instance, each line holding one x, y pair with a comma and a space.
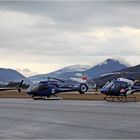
68, 119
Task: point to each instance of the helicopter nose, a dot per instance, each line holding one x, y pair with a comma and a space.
103, 90
29, 91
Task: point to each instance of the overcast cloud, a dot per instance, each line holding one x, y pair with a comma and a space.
45, 36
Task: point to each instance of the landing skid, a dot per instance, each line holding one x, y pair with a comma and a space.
47, 98
119, 98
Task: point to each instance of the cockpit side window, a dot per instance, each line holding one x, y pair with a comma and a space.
43, 87
115, 88
124, 85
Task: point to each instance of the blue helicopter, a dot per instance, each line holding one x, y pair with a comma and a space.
120, 89
53, 86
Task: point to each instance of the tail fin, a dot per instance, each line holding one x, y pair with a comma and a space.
20, 84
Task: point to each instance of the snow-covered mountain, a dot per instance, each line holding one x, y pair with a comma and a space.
72, 69
108, 66
58, 74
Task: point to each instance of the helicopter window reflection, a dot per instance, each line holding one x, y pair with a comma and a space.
35, 88
124, 85
118, 85
108, 85
115, 86
43, 87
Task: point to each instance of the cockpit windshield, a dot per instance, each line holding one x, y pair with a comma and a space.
108, 84
34, 88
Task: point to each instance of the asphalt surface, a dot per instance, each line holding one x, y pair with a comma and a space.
65, 119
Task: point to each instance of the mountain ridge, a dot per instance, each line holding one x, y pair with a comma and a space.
132, 73
9, 75
109, 65
106, 66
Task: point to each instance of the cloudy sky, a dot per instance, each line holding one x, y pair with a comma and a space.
42, 36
